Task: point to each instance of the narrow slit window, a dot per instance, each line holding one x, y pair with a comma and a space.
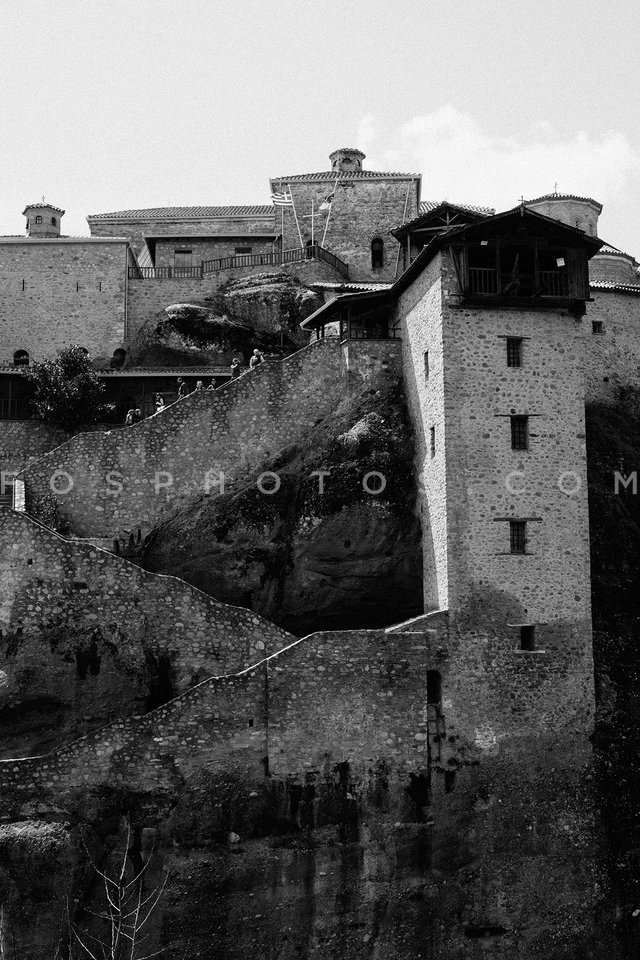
518, 536
519, 433
432, 442
528, 637
377, 254
426, 364
597, 326
514, 352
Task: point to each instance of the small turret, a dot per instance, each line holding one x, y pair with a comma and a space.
346, 160
43, 219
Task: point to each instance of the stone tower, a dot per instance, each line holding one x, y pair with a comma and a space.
579, 212
43, 219
349, 212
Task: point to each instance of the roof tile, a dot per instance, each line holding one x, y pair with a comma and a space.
186, 213
345, 175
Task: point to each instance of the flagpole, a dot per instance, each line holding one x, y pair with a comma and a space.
326, 226
312, 233
295, 215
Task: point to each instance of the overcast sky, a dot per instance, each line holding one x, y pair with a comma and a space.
133, 103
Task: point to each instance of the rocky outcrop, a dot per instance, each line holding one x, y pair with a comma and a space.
343, 558
263, 311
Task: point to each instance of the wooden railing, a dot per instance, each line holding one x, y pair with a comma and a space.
483, 280
165, 273
298, 254
554, 283
359, 334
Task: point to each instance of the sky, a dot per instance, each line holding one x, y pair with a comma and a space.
117, 104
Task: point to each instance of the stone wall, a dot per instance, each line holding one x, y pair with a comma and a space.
419, 310
22, 441
611, 358
68, 605
209, 249
361, 211
57, 292
231, 429
349, 696
489, 482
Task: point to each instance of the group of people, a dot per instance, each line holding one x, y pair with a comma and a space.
135, 416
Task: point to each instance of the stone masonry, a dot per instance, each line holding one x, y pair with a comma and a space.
181, 452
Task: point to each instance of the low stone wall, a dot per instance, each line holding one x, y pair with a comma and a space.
60, 599
128, 479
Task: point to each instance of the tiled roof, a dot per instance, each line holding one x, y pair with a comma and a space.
614, 285
41, 206
346, 175
563, 196
426, 206
185, 213
614, 252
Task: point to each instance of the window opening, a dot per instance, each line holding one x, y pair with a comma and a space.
433, 441
377, 254
21, 358
528, 637
426, 364
514, 352
518, 535
38, 219
597, 326
519, 433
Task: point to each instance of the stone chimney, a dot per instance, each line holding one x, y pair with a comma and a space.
43, 219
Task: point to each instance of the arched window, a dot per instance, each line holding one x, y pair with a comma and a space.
38, 219
118, 358
54, 222
377, 254
21, 358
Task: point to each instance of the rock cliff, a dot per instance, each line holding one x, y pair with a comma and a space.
261, 311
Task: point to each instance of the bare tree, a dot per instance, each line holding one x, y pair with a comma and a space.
124, 919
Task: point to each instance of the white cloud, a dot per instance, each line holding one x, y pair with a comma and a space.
461, 161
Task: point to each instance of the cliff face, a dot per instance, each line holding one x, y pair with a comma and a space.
305, 559
614, 448
263, 311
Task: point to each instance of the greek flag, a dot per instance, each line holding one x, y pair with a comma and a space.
327, 201
282, 199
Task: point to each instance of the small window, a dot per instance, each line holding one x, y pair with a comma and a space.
377, 254
38, 219
242, 249
528, 637
21, 358
518, 536
514, 352
434, 686
118, 358
54, 222
519, 433
433, 441
597, 326
426, 364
